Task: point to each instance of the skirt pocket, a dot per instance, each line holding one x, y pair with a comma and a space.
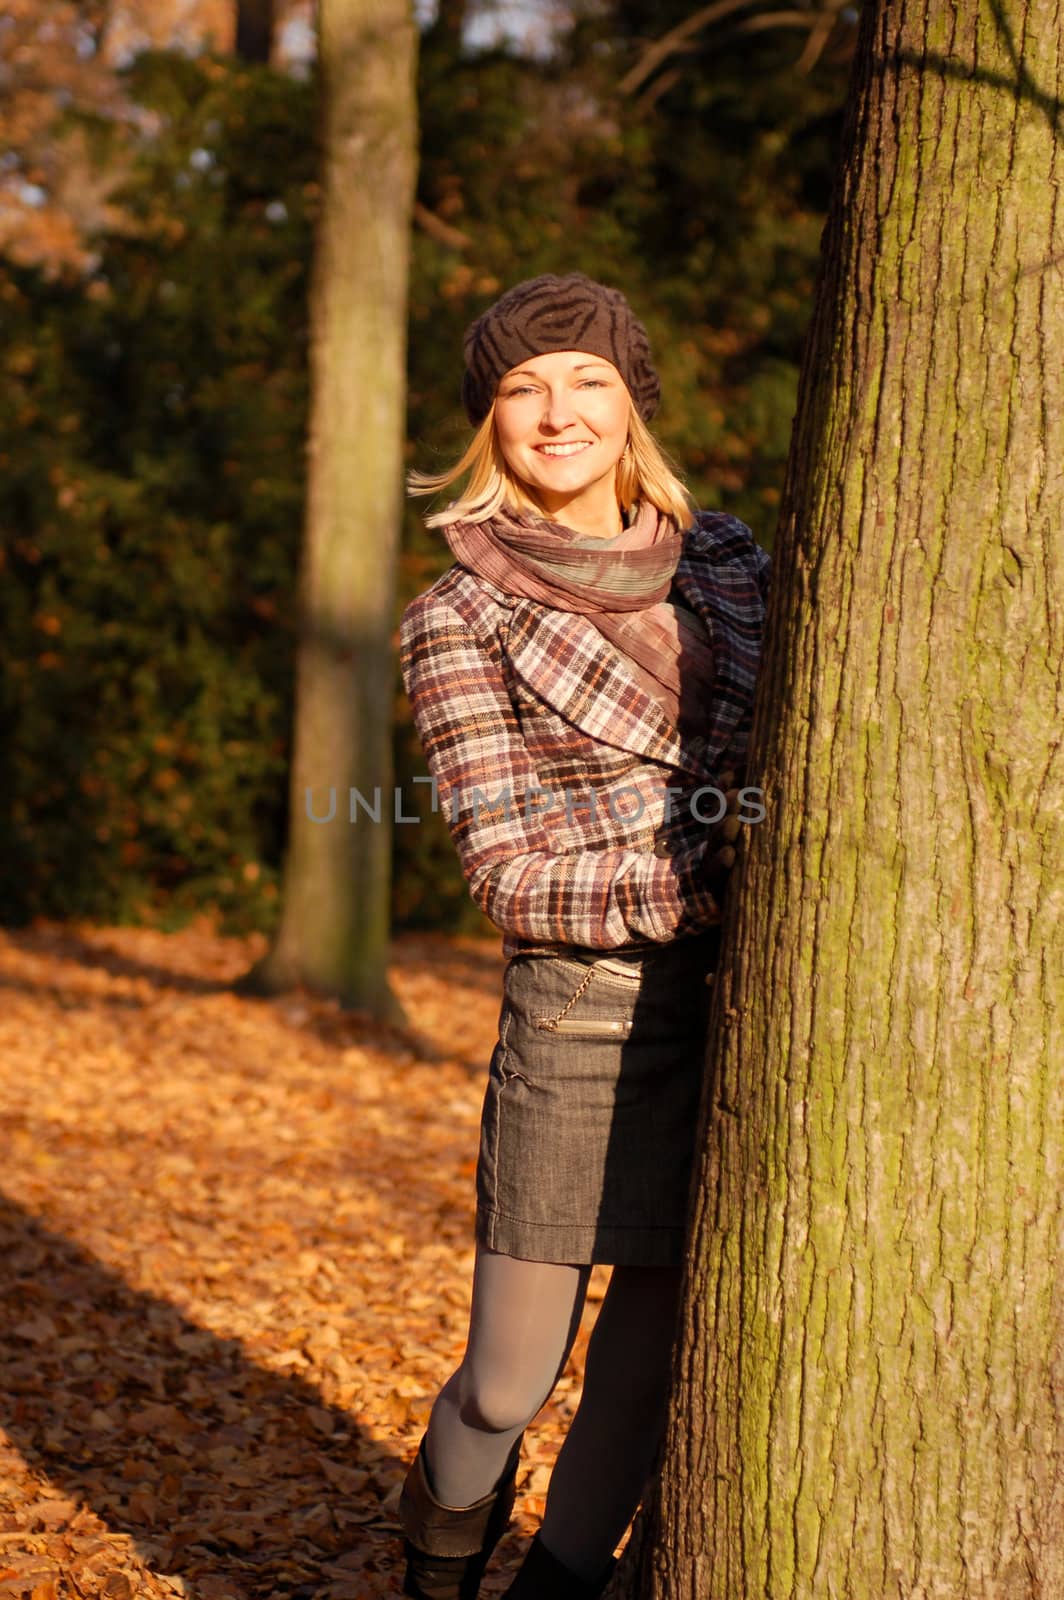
620, 984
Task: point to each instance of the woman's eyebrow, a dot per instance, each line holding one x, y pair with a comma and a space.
526, 372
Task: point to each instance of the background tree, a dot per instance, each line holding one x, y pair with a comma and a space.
254, 29
868, 1374
335, 918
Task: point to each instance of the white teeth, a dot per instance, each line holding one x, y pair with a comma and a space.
562, 449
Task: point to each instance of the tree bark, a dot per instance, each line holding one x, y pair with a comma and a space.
869, 1375
334, 927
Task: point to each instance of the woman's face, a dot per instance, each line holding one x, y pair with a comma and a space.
562, 425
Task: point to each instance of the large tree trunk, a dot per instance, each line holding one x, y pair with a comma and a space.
869, 1396
335, 921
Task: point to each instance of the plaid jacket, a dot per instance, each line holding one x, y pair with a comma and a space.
570, 795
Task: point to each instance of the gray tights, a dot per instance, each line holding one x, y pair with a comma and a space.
523, 1320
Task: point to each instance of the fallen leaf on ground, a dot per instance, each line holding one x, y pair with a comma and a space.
236, 1239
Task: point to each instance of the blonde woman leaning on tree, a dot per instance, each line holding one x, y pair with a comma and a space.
581, 680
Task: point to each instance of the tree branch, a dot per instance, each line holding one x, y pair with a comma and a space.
819, 22
676, 39
439, 230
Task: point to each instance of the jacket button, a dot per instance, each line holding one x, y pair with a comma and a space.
663, 847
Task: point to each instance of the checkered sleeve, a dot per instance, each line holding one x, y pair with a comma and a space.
762, 570
487, 787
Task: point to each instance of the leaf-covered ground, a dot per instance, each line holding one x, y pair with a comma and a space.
236, 1245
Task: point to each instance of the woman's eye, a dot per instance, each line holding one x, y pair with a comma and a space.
529, 388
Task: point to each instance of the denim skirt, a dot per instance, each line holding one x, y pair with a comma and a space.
590, 1112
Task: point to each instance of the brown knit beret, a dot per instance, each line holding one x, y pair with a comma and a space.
552, 313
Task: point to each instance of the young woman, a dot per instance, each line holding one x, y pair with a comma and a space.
581, 680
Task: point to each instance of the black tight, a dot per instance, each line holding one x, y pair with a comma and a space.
523, 1320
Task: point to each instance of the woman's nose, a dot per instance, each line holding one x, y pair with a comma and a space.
558, 411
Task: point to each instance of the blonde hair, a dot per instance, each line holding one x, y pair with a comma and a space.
643, 473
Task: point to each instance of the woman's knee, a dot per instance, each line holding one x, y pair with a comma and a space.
498, 1402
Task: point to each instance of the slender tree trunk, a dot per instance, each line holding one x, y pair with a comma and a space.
335, 920
869, 1395
450, 22
254, 29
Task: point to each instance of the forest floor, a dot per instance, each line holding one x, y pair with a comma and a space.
236, 1248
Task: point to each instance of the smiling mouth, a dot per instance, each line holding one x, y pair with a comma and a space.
563, 449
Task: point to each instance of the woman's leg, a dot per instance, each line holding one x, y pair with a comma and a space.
602, 1467
522, 1322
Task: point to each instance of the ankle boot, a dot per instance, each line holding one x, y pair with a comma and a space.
541, 1576
447, 1547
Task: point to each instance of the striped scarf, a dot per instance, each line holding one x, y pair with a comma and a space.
621, 590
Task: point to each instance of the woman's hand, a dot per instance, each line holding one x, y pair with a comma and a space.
720, 841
